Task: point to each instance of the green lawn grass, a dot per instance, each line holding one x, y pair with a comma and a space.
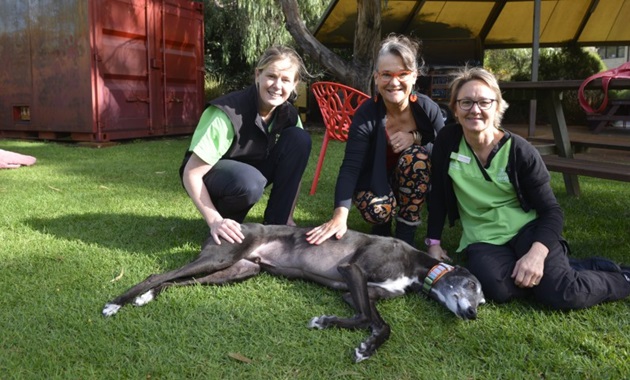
84, 224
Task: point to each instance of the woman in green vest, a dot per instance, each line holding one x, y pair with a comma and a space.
246, 140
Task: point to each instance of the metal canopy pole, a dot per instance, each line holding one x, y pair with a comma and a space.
535, 59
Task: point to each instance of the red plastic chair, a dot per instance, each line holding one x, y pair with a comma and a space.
337, 103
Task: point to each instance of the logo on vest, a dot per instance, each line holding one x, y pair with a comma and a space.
455, 165
502, 176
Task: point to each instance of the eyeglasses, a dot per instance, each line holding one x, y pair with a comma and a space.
467, 104
387, 76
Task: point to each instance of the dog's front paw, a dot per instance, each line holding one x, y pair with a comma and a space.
318, 322
361, 353
110, 309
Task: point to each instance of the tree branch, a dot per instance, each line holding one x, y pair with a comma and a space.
356, 74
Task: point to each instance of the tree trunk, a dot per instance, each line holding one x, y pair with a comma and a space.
367, 36
358, 73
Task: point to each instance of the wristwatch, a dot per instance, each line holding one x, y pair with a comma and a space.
430, 242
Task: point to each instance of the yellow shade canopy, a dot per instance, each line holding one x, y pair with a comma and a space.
463, 29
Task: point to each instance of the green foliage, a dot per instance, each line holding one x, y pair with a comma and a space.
619, 94
82, 225
571, 62
214, 86
505, 63
237, 32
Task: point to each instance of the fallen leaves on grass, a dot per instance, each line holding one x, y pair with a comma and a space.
240, 357
122, 272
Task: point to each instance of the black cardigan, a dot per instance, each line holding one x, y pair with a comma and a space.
364, 163
526, 170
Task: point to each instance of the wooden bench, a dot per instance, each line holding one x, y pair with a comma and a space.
598, 169
549, 93
619, 110
546, 145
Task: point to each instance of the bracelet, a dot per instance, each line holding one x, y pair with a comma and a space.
431, 242
415, 137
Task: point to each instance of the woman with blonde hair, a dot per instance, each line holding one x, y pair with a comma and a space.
499, 188
246, 140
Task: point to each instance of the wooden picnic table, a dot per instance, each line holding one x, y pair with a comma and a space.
549, 93
616, 111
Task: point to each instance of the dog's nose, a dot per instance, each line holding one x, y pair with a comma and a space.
471, 313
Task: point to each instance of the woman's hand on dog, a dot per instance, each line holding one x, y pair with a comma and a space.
337, 226
438, 253
228, 229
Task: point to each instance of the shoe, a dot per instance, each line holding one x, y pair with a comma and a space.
406, 233
594, 263
384, 229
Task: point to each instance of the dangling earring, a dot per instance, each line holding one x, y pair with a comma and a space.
375, 89
413, 97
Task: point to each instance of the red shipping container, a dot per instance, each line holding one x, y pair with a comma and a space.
100, 70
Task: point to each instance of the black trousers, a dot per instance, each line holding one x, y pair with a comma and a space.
235, 187
561, 287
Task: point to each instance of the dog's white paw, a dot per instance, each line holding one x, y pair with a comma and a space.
359, 355
317, 323
110, 309
143, 299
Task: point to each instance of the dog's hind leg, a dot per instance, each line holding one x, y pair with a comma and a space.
144, 292
241, 270
367, 314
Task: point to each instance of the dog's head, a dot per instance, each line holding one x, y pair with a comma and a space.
459, 291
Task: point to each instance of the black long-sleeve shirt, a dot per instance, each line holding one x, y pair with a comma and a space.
364, 163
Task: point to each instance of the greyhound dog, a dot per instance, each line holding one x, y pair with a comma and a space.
368, 267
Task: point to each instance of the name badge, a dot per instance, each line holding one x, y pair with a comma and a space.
460, 157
